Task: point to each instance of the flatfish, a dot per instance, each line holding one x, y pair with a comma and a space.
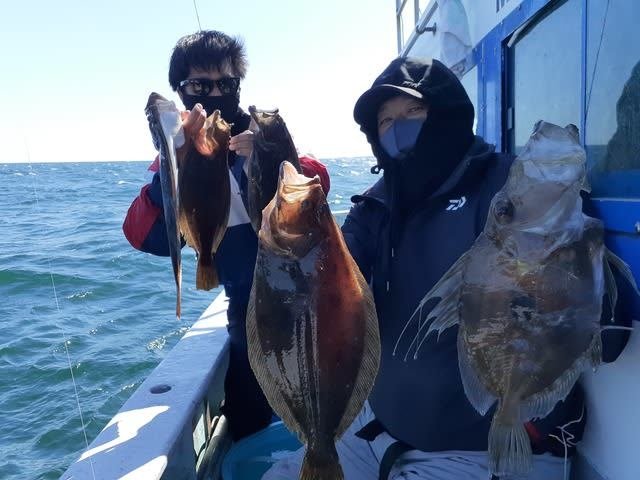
312, 327
203, 185
272, 145
165, 124
527, 296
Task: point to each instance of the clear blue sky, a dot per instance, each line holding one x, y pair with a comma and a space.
76, 73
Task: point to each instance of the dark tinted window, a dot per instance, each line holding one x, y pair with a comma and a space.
547, 72
613, 97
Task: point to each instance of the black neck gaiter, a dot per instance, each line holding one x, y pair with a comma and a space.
442, 143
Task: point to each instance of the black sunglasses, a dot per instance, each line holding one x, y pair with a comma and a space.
203, 86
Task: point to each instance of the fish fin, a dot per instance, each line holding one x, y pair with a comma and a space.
206, 274
265, 379
449, 318
595, 352
217, 240
185, 231
476, 392
321, 467
541, 404
370, 360
447, 290
509, 444
623, 268
610, 287
445, 317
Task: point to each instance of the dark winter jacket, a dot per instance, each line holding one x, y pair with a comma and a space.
404, 250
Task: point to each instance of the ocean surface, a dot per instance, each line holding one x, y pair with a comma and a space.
67, 274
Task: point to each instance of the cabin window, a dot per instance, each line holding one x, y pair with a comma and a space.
422, 5
470, 83
612, 105
546, 69
408, 19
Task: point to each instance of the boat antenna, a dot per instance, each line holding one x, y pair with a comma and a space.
195, 6
65, 338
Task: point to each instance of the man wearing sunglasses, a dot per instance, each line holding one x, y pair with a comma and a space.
206, 69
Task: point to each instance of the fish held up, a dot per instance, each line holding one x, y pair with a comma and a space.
165, 124
312, 328
273, 145
204, 189
527, 296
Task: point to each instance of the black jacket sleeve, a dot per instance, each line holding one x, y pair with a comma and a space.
360, 235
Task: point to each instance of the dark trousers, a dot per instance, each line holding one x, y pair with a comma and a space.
245, 406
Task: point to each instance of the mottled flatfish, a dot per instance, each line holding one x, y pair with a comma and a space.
312, 327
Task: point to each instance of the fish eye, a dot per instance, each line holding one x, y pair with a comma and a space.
305, 204
503, 211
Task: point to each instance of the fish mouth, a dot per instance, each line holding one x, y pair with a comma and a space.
155, 98
255, 113
294, 187
291, 180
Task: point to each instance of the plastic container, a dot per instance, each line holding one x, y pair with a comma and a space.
251, 457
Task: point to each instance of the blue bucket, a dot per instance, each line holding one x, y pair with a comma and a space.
251, 457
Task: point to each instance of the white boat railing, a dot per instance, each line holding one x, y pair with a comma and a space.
163, 430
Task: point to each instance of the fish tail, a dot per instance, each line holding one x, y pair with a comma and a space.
206, 274
509, 444
321, 465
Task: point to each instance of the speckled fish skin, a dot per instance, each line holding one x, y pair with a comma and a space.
272, 146
165, 125
312, 327
203, 184
527, 295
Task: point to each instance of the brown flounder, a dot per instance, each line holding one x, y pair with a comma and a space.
312, 327
203, 185
527, 295
272, 146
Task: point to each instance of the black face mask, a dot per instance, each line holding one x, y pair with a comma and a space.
227, 104
440, 147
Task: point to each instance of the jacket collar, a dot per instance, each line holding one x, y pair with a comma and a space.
474, 162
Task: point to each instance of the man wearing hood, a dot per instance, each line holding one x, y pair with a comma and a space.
405, 232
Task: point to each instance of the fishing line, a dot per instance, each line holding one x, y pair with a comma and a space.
65, 339
595, 65
568, 440
617, 327
586, 113
197, 15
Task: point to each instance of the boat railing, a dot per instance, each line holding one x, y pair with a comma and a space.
169, 428
412, 19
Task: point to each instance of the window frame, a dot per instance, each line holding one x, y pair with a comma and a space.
537, 11
509, 67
